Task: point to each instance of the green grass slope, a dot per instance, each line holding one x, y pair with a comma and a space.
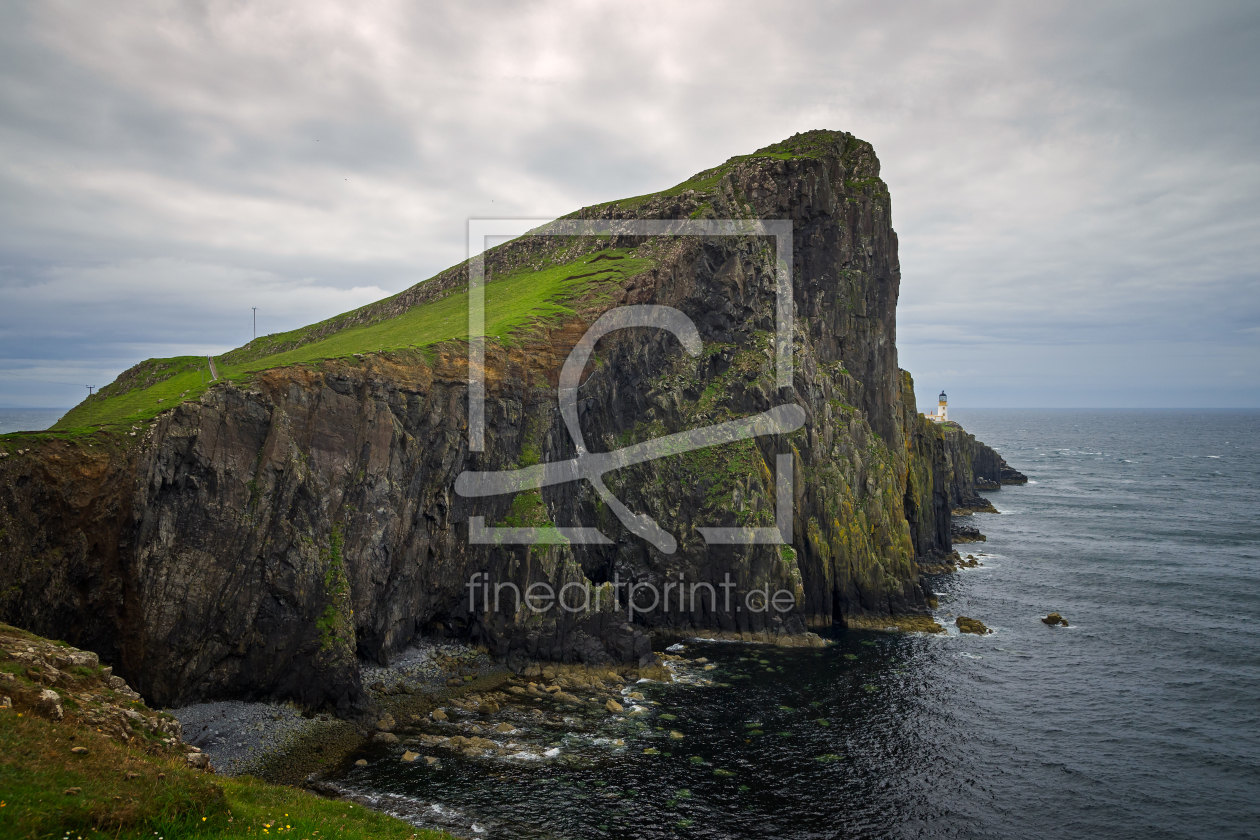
513, 305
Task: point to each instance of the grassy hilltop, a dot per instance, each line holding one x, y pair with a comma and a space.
515, 302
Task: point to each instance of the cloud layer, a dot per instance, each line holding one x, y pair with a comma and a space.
1075, 187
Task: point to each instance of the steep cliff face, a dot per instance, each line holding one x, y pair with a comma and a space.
991, 468
257, 540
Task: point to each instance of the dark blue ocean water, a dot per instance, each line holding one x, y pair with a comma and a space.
1142, 720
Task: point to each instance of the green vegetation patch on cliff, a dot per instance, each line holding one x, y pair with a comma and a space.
336, 624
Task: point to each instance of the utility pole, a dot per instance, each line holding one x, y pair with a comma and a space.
255, 308
89, 387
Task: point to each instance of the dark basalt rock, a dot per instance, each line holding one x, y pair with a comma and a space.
997, 472
257, 543
967, 533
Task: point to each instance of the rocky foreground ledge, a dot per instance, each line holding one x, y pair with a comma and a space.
57, 682
81, 755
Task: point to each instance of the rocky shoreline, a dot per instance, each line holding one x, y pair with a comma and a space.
281, 742
441, 699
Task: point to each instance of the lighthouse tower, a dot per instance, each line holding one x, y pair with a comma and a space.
942, 409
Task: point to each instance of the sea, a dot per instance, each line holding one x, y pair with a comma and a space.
1141, 719
28, 419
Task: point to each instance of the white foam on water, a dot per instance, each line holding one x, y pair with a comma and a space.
525, 756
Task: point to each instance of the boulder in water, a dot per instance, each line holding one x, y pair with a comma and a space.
971, 625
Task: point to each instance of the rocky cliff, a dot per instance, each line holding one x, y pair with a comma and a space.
259, 536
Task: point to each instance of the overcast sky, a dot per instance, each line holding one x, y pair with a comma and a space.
1076, 186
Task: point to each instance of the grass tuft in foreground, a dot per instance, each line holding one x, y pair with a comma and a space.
116, 791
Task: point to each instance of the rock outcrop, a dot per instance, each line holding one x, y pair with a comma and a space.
991, 470
971, 625
60, 683
258, 541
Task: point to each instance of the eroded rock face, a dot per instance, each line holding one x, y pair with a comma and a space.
255, 543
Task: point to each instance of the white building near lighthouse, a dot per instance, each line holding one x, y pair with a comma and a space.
941, 414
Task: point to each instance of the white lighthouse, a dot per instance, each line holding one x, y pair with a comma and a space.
942, 410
